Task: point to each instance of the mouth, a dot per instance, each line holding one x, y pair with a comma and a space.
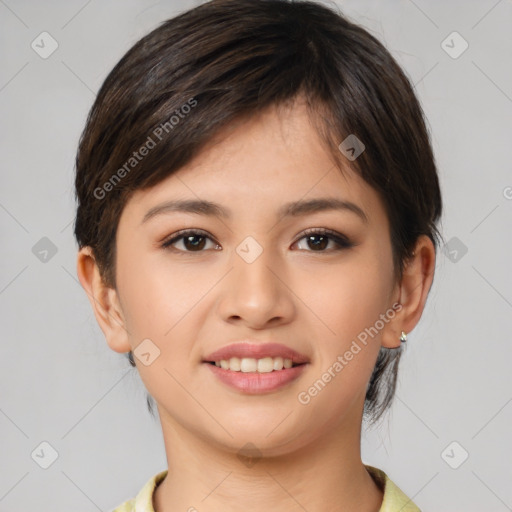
256, 368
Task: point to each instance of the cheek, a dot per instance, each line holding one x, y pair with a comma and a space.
350, 303
348, 298
155, 293
166, 304
157, 304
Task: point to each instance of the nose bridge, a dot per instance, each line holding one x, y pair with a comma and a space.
254, 290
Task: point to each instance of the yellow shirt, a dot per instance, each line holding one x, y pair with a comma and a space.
394, 499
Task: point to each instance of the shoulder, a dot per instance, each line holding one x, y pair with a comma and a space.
394, 499
143, 502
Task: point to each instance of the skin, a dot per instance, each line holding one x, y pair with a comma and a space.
314, 300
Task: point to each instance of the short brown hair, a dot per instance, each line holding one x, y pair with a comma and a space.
227, 59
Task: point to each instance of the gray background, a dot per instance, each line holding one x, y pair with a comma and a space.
61, 384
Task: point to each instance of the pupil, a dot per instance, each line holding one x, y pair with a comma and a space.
194, 246
322, 244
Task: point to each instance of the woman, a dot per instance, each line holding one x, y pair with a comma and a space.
257, 208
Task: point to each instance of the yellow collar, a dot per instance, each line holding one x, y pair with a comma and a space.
394, 499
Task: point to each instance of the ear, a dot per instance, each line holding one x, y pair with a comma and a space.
411, 292
104, 301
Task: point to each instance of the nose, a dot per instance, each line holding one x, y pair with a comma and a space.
256, 293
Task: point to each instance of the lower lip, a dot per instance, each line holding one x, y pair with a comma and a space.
253, 382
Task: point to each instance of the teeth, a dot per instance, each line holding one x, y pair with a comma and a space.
265, 365
278, 363
247, 364
251, 365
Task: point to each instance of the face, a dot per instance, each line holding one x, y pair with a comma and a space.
309, 278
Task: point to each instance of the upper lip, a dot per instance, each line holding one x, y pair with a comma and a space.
256, 351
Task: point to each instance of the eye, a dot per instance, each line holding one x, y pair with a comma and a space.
192, 240
318, 239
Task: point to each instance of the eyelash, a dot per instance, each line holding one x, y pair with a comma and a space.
341, 240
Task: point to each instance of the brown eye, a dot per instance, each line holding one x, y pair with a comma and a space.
189, 241
194, 242
318, 240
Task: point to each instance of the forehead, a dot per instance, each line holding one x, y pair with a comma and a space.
267, 159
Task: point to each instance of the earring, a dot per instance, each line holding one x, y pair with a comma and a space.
403, 337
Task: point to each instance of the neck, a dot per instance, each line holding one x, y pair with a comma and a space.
325, 474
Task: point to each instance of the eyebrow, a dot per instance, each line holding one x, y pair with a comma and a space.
293, 209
